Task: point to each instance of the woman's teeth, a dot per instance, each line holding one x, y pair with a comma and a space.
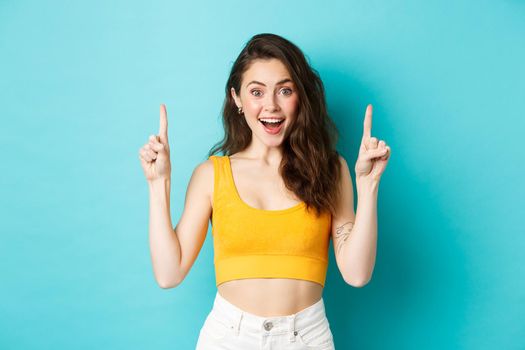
271, 122
271, 125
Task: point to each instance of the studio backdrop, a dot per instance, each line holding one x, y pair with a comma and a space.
80, 89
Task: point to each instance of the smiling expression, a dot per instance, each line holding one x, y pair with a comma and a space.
267, 93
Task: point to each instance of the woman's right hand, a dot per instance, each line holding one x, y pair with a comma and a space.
155, 154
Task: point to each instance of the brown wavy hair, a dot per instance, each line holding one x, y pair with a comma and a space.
310, 165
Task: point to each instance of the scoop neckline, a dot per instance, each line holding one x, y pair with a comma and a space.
266, 211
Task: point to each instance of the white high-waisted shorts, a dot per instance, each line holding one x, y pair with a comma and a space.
229, 328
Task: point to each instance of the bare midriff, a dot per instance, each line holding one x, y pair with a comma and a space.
269, 297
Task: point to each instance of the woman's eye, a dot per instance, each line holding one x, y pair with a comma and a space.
288, 91
285, 91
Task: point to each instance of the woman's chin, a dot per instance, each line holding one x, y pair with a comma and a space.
272, 141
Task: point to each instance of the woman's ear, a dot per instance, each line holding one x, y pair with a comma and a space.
236, 98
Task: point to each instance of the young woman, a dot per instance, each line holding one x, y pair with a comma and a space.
275, 197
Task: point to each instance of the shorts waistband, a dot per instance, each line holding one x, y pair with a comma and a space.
235, 316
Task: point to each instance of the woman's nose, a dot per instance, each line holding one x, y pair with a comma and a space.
270, 104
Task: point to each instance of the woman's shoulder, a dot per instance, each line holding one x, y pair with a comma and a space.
205, 169
342, 160
203, 174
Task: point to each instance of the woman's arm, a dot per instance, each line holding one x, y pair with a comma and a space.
359, 252
355, 235
173, 251
164, 244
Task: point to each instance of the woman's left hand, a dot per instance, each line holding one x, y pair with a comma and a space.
373, 155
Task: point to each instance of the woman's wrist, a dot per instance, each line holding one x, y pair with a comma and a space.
160, 183
366, 186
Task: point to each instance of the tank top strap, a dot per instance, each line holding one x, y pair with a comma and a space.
222, 187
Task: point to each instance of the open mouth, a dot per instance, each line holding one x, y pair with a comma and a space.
272, 127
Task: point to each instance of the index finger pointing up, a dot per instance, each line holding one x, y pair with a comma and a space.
367, 126
163, 129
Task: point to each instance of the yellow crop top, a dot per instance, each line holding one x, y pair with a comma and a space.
256, 243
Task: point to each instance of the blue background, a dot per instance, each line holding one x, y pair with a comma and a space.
80, 89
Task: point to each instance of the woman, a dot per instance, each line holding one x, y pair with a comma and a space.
275, 198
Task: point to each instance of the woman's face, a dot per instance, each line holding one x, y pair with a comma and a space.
267, 95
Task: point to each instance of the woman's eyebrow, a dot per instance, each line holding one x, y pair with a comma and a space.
286, 80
